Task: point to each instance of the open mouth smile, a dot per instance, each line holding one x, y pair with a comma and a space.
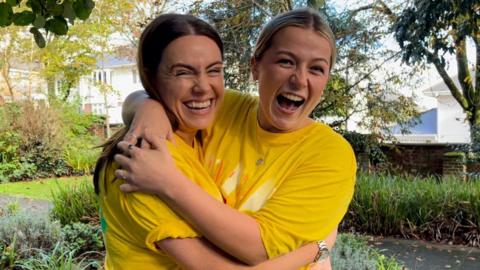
199, 105
290, 102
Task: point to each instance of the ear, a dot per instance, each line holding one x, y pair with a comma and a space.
254, 68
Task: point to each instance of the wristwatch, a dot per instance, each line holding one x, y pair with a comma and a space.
323, 252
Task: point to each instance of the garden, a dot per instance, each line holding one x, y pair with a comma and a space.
50, 157
51, 127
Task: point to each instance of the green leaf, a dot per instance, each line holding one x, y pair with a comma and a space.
6, 14
57, 10
35, 5
23, 18
38, 37
68, 11
39, 21
83, 8
57, 25
14, 2
51, 4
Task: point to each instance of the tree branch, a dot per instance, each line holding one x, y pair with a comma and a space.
463, 72
448, 81
379, 6
476, 40
262, 9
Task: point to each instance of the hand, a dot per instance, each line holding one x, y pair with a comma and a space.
149, 114
146, 170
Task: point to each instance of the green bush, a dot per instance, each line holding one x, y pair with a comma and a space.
21, 234
58, 258
38, 141
81, 238
35, 242
429, 208
352, 252
75, 203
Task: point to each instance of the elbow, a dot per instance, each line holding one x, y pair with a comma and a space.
131, 101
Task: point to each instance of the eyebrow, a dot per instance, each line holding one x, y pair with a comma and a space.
293, 56
187, 66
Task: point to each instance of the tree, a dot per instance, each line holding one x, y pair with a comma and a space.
362, 62
427, 31
47, 16
16, 48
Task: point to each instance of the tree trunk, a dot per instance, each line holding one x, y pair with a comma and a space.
107, 117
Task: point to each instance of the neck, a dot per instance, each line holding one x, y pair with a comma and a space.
187, 136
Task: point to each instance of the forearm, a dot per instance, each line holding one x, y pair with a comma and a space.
234, 232
203, 255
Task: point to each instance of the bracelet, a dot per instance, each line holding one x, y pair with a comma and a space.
322, 253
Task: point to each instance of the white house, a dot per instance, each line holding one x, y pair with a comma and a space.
445, 124
121, 75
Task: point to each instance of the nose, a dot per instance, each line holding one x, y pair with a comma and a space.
202, 84
299, 78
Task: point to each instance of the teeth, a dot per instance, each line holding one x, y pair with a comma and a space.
199, 104
292, 97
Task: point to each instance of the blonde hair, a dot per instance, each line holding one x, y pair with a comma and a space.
305, 18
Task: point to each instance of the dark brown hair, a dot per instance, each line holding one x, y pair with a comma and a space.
154, 39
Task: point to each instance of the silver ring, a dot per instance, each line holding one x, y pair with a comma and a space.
130, 146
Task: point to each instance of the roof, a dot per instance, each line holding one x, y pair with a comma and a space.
441, 89
112, 61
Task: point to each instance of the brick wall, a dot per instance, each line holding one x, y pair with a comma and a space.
417, 159
454, 166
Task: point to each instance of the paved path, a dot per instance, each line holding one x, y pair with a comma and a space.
26, 204
419, 255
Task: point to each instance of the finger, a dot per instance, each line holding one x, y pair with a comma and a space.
157, 142
128, 187
123, 161
127, 149
131, 137
121, 174
145, 144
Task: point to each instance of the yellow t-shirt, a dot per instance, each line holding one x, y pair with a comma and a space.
133, 222
297, 185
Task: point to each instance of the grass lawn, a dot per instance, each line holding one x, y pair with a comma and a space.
39, 189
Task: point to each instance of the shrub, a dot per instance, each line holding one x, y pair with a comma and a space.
366, 143
34, 242
75, 203
81, 238
57, 258
21, 234
37, 141
352, 252
432, 209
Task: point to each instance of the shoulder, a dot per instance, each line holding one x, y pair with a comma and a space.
237, 101
323, 145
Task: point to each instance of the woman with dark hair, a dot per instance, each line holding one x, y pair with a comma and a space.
180, 63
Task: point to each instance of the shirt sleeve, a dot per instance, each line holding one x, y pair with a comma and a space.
310, 204
150, 217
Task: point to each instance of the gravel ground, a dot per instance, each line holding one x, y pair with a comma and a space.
27, 204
